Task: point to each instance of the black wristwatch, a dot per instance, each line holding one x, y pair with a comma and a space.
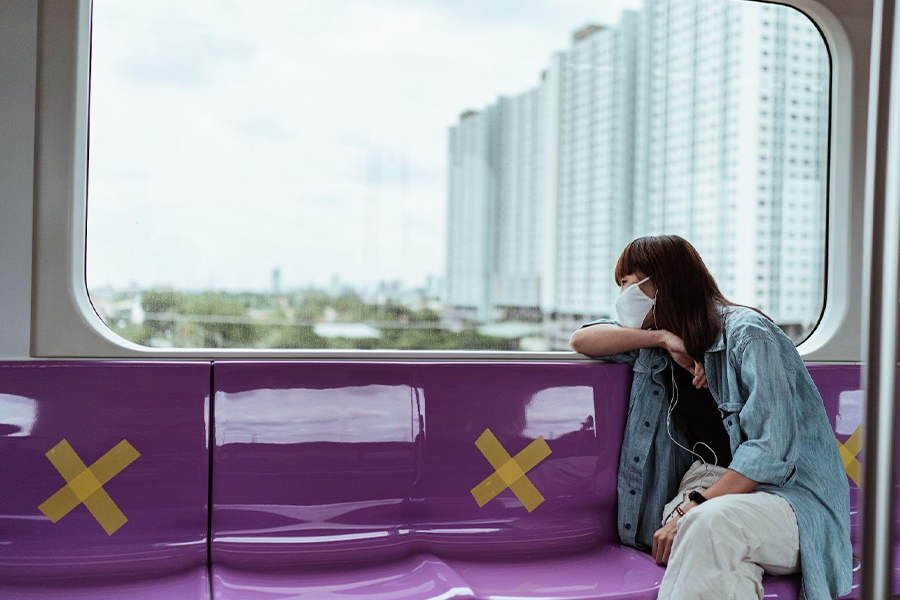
697, 497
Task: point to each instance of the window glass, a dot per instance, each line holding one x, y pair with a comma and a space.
400, 174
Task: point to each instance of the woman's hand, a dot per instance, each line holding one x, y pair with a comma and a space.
699, 376
663, 540
675, 346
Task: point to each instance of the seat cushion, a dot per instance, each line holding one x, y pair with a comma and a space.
192, 584
607, 571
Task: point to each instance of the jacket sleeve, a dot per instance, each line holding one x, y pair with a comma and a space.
622, 357
768, 417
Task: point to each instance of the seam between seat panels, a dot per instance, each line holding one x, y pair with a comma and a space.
211, 444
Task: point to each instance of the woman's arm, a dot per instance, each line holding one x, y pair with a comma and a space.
770, 452
731, 482
605, 339
768, 418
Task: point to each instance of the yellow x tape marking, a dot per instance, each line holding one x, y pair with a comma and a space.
849, 450
510, 472
85, 484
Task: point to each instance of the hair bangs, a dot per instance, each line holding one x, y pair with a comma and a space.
630, 261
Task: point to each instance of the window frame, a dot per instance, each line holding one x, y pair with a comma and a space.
66, 325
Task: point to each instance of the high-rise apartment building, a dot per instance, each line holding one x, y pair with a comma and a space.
703, 118
522, 169
497, 189
593, 132
549, 171
794, 148
731, 146
471, 184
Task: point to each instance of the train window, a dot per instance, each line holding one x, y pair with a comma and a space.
438, 175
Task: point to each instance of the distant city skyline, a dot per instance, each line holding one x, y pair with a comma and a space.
227, 140
430, 286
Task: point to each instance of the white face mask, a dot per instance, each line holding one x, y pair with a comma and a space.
632, 305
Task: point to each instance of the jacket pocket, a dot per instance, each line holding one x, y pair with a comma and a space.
641, 366
731, 420
730, 408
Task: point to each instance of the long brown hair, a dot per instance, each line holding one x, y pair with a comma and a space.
688, 299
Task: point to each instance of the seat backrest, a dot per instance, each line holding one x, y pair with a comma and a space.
89, 513
330, 463
839, 386
319, 463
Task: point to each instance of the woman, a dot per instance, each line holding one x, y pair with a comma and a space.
722, 384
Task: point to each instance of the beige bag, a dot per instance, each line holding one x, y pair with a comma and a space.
699, 477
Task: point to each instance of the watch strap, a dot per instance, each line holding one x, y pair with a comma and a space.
697, 497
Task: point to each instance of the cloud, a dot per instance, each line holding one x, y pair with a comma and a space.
306, 134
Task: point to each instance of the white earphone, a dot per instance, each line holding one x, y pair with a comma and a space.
672, 405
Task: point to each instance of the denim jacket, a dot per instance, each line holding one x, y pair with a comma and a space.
780, 437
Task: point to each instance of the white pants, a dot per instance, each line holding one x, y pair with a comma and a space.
722, 546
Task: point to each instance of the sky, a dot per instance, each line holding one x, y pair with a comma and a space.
230, 137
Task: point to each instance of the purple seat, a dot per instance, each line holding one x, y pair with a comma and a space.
603, 572
606, 571
354, 479
164, 585
331, 480
161, 410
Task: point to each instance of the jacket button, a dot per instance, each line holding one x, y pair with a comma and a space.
627, 525
728, 421
633, 492
637, 459
656, 392
646, 423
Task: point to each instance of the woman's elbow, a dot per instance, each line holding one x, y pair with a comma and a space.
574, 342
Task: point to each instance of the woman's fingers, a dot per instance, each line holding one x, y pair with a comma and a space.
684, 360
669, 543
699, 376
663, 540
675, 346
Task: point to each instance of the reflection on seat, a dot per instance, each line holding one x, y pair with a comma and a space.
381, 516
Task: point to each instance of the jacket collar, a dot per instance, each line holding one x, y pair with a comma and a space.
719, 344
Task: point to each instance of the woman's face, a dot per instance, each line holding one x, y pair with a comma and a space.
648, 287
